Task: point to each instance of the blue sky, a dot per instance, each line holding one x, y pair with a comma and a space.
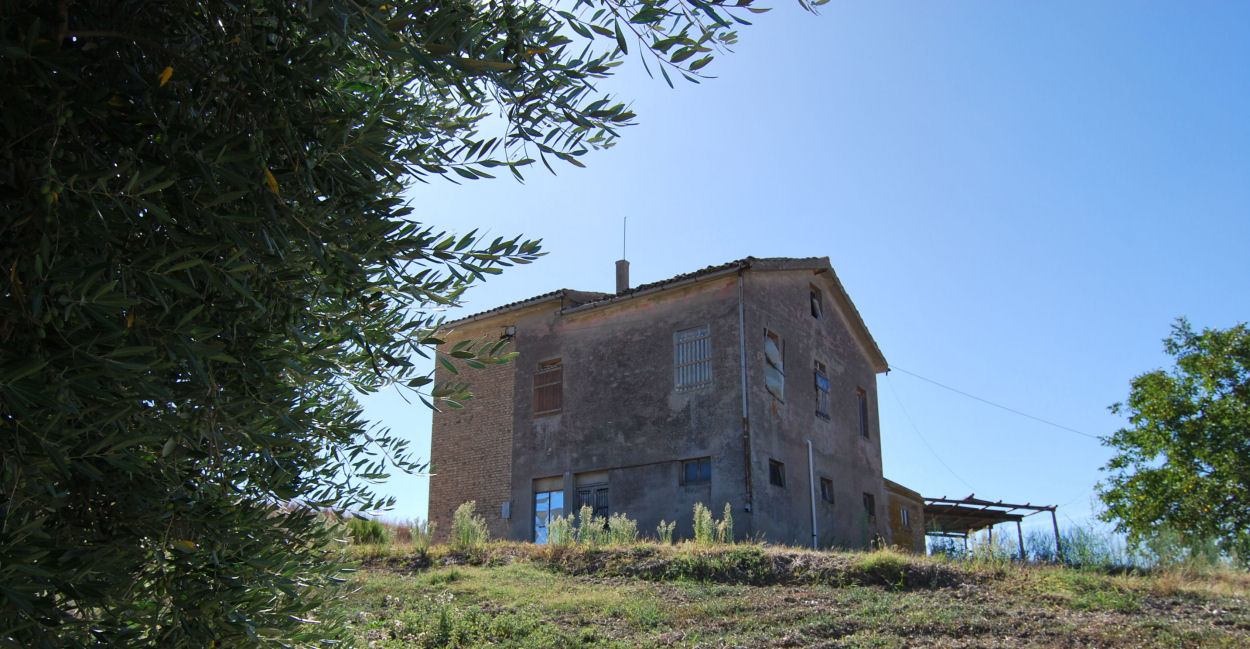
1020, 198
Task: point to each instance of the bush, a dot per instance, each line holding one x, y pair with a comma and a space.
366, 531
468, 529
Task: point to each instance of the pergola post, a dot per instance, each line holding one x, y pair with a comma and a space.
1020, 537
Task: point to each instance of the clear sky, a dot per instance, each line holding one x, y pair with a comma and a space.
1019, 197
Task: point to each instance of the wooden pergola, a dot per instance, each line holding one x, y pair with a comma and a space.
949, 518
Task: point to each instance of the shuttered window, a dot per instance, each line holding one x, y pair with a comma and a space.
774, 365
549, 388
692, 359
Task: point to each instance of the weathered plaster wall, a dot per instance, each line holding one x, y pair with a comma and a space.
779, 301
621, 412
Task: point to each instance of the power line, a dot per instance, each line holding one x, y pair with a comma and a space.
996, 405
922, 438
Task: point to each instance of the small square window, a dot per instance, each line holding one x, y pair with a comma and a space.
826, 490
822, 390
776, 473
870, 507
695, 472
818, 310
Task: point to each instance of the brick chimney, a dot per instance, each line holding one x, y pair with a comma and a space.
622, 276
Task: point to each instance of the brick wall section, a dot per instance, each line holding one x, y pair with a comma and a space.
471, 447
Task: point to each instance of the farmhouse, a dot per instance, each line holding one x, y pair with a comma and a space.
751, 383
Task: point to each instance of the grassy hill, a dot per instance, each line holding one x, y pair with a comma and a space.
520, 595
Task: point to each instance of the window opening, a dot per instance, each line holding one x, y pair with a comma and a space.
692, 359
818, 310
870, 507
822, 390
774, 365
695, 472
826, 490
905, 516
776, 473
549, 388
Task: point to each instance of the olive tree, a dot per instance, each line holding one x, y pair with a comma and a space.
206, 255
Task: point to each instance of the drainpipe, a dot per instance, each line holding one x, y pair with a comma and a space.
746, 420
811, 481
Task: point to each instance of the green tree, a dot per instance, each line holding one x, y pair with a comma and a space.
205, 256
1183, 463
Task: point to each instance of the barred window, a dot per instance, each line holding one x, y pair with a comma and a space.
692, 359
549, 388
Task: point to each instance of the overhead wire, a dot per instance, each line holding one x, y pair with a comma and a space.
925, 441
996, 405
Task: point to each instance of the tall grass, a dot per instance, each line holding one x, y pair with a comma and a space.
366, 531
1089, 546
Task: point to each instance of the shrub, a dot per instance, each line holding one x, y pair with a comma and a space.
622, 530
468, 530
366, 531
591, 529
561, 530
704, 525
664, 532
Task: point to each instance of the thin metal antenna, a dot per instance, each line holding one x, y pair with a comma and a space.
624, 223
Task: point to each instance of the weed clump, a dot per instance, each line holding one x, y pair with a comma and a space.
468, 529
707, 530
591, 530
622, 530
664, 532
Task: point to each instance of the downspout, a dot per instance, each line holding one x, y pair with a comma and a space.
811, 481
746, 419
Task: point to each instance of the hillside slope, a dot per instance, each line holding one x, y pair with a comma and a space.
748, 596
